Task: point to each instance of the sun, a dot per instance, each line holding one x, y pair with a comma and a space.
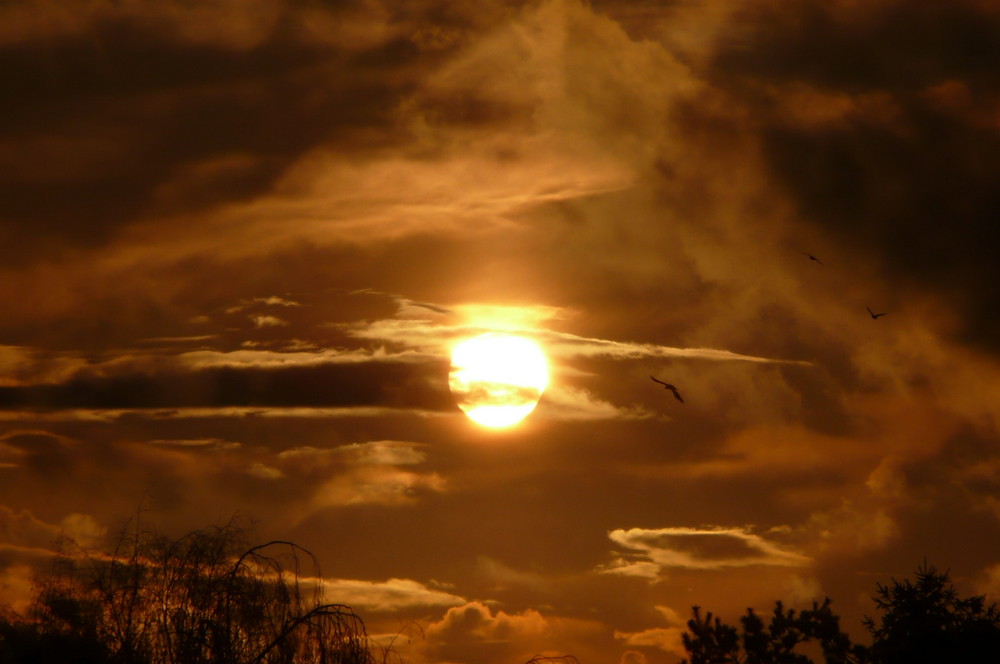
497, 379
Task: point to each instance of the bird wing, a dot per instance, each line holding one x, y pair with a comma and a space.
656, 380
678, 395
870, 312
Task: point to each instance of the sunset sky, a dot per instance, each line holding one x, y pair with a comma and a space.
238, 241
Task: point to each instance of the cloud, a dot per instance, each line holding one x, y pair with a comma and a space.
258, 469
154, 414
629, 183
475, 632
376, 452
378, 485
245, 379
40, 451
667, 639
569, 345
905, 143
405, 307
989, 583
853, 528
801, 590
176, 148
477, 620
560, 401
210, 444
390, 596
291, 378
565, 403
83, 529
24, 530
179, 340
503, 576
268, 321
695, 548
370, 473
9, 455
17, 587
20, 365
269, 301
633, 657
432, 337
778, 450
202, 359
385, 452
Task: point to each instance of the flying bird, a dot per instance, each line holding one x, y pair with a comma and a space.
812, 258
668, 386
874, 315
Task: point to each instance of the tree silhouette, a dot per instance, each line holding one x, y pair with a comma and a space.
926, 621
210, 598
206, 598
711, 641
921, 622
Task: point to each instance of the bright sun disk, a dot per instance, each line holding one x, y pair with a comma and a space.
497, 379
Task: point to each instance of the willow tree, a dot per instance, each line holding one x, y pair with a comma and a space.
205, 598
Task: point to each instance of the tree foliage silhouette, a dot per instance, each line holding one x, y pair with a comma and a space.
921, 622
711, 641
206, 598
926, 621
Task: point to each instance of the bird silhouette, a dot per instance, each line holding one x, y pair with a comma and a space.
812, 258
874, 315
668, 386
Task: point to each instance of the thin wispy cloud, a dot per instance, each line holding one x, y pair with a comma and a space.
210, 444
381, 472
22, 365
179, 340
268, 321
243, 412
389, 596
21, 528
562, 344
247, 358
651, 552
562, 402
431, 337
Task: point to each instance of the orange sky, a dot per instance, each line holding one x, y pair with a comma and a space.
237, 244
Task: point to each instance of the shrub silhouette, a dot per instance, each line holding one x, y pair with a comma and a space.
921, 622
206, 598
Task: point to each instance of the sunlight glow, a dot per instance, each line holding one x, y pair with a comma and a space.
497, 379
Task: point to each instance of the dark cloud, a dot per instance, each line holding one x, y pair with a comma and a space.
926, 202
42, 452
128, 116
904, 170
885, 45
389, 384
80, 308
